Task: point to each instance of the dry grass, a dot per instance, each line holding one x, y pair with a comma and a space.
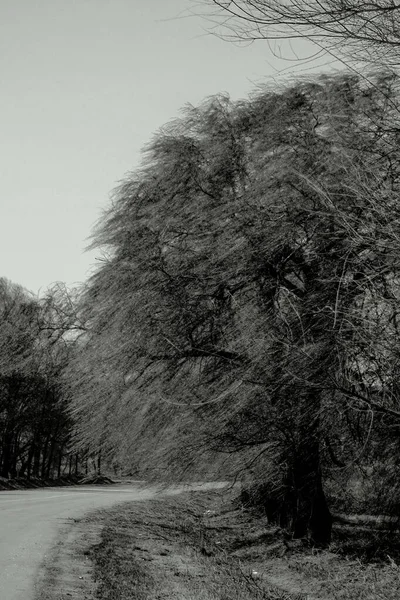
157, 552
201, 546
197, 547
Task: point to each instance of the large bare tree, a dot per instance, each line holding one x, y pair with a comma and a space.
249, 300
354, 29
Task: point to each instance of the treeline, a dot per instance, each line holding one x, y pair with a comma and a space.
248, 306
35, 341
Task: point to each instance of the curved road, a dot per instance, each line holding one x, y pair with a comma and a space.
30, 521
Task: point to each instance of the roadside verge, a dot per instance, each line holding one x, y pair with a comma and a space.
201, 546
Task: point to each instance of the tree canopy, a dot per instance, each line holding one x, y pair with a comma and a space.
249, 304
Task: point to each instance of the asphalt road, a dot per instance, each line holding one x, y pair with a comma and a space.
31, 519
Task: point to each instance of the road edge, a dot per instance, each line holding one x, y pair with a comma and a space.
67, 570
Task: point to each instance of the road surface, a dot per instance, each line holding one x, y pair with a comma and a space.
31, 519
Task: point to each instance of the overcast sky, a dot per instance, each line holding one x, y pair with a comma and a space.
84, 85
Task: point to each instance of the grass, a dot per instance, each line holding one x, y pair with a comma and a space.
198, 547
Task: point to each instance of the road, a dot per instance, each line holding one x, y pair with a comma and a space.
31, 519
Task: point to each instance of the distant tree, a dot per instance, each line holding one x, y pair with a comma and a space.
34, 424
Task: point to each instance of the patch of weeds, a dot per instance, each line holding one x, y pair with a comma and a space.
119, 573
339, 579
366, 544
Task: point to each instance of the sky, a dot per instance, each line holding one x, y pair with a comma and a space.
84, 85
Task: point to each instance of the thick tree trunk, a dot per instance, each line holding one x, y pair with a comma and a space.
321, 519
312, 518
305, 511
311, 515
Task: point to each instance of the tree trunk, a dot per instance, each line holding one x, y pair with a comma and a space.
311, 515
29, 460
36, 461
60, 457
50, 460
6, 462
44, 458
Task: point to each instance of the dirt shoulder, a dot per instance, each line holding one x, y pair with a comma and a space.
198, 546
67, 572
